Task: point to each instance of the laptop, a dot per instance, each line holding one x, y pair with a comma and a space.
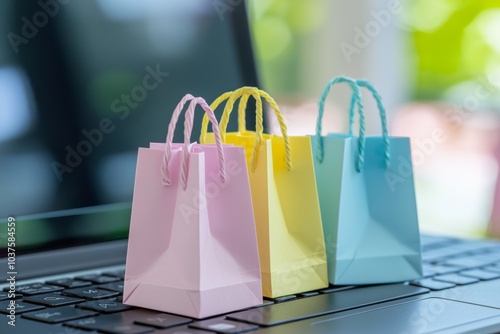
82, 86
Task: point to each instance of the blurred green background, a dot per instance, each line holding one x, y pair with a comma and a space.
452, 40
437, 65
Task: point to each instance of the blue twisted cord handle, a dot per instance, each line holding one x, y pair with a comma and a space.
355, 100
382, 114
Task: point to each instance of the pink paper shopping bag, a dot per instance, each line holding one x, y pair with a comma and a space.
192, 244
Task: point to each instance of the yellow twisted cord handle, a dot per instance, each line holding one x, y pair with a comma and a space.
284, 131
244, 93
260, 125
205, 121
242, 123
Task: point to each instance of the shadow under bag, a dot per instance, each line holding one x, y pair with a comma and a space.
367, 199
192, 245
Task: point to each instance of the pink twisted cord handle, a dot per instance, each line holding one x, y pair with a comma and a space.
165, 174
188, 127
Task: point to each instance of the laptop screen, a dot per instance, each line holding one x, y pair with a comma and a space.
83, 84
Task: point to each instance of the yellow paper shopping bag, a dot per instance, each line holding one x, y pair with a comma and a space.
285, 200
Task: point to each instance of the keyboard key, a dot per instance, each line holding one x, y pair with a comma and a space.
325, 304
36, 289
162, 320
470, 262
90, 293
480, 274
97, 279
115, 273
264, 303
223, 326
429, 283
86, 324
17, 288
69, 283
493, 268
124, 329
441, 254
26, 326
20, 307
308, 294
283, 298
53, 300
59, 314
434, 269
115, 286
337, 288
67, 330
120, 318
121, 323
456, 279
104, 306
5, 296
183, 330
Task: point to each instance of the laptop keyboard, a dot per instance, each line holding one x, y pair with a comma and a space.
92, 303
448, 262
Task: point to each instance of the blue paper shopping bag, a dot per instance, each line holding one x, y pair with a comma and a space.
367, 199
